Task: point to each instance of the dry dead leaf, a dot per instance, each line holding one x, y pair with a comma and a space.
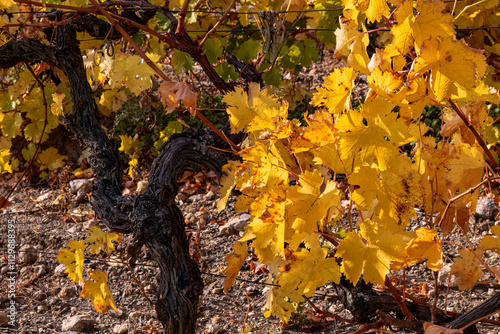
435, 329
172, 93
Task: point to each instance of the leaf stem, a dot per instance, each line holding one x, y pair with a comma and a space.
478, 137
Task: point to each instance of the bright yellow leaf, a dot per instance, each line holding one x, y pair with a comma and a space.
243, 107
234, 263
451, 63
490, 242
467, 268
73, 258
57, 107
370, 252
337, 90
425, 245
97, 289
100, 241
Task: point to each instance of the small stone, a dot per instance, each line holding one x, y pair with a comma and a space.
27, 255
40, 295
216, 291
485, 207
444, 274
89, 223
44, 197
59, 271
4, 319
80, 197
216, 319
120, 329
212, 329
4, 270
24, 271
115, 314
141, 187
235, 225
136, 316
181, 197
78, 323
67, 292
81, 184
40, 270
42, 308
491, 291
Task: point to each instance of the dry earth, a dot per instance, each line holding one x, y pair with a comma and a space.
46, 219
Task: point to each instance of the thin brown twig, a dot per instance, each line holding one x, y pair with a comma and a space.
467, 192
182, 17
200, 45
478, 137
327, 314
399, 300
129, 39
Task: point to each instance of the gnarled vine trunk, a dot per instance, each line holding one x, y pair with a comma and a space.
152, 217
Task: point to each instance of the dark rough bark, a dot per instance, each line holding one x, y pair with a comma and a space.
363, 303
488, 307
247, 71
152, 217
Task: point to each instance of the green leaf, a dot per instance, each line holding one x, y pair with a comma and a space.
226, 71
272, 77
181, 60
248, 50
213, 49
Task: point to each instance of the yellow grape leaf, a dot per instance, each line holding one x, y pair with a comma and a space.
243, 107
307, 270
278, 302
57, 108
97, 289
467, 268
132, 72
374, 9
352, 44
111, 101
51, 159
364, 134
387, 84
411, 31
73, 259
310, 205
451, 63
267, 165
425, 245
5, 163
228, 182
128, 145
100, 241
370, 252
337, 92
490, 242
6, 4
10, 123
234, 263
172, 93
390, 195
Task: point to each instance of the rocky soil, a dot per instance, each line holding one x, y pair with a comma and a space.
47, 301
